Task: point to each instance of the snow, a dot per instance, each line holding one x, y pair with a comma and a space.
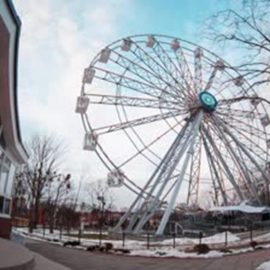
242, 207
264, 266
169, 252
157, 248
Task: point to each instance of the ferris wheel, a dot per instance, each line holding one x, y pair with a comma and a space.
171, 120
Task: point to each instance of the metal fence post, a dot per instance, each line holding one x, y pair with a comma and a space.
148, 240
123, 239
174, 240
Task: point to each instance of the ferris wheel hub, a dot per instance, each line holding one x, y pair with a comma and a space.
208, 101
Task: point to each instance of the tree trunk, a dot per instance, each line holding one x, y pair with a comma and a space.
31, 218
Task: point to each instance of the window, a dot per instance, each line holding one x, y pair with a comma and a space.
1, 204
6, 206
4, 172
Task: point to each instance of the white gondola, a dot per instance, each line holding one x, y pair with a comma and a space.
90, 141
255, 101
115, 178
150, 41
238, 81
82, 104
265, 120
126, 45
89, 74
220, 65
175, 45
104, 55
198, 52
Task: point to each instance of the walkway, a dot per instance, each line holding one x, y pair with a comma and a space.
16, 257
83, 260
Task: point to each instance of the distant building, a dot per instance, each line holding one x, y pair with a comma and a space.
12, 152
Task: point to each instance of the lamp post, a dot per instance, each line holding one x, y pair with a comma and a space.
102, 201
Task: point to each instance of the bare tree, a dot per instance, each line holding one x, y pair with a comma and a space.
39, 172
245, 28
96, 190
56, 195
99, 201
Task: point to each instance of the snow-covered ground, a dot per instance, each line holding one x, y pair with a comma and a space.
264, 266
157, 248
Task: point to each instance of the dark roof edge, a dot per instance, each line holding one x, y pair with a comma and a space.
18, 23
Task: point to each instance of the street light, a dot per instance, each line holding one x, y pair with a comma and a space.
102, 200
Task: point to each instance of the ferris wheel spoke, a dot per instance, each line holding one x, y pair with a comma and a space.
133, 101
218, 66
135, 188
246, 127
198, 54
246, 152
186, 74
229, 174
147, 75
253, 99
136, 122
171, 66
238, 160
215, 170
254, 147
147, 146
129, 83
194, 176
159, 70
227, 112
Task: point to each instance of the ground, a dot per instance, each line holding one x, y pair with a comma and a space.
83, 260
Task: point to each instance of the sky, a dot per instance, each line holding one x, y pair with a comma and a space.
58, 40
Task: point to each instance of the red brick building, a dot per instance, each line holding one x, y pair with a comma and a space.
12, 152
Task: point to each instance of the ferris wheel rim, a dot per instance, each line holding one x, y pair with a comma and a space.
145, 35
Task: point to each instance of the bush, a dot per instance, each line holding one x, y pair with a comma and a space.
101, 249
92, 248
71, 243
108, 246
253, 244
201, 248
225, 250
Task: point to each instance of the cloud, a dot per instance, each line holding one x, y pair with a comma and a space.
58, 40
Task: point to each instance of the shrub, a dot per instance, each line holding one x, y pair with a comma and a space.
201, 248
225, 250
92, 248
253, 244
71, 243
108, 246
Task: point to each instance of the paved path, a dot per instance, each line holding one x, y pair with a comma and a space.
83, 260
